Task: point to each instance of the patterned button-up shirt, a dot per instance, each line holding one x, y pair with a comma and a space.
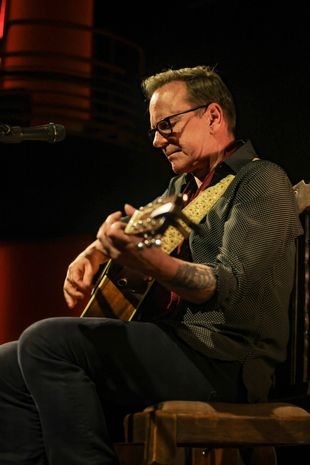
248, 238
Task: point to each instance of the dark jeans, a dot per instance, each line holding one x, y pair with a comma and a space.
67, 383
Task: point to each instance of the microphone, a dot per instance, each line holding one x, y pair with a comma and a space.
50, 132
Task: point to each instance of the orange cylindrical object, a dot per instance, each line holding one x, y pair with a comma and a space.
50, 47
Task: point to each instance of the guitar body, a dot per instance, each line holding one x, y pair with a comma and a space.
118, 294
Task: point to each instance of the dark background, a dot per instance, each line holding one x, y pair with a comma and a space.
261, 49
57, 191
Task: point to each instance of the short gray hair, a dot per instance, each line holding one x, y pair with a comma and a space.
204, 85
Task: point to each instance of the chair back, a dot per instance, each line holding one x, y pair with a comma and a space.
292, 379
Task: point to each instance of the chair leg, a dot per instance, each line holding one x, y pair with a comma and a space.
225, 456
129, 454
133, 454
234, 456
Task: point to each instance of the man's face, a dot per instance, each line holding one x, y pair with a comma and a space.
183, 138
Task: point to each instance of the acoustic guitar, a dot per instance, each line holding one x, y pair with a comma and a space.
119, 292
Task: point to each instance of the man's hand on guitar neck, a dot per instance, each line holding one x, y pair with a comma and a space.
121, 246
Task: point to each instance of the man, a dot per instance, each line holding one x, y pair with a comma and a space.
215, 324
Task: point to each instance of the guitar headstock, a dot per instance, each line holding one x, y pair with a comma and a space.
153, 219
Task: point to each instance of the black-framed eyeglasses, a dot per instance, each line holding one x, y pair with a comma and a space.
164, 126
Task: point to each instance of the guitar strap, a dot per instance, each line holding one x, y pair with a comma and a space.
195, 211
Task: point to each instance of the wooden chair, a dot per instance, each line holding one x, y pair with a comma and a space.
217, 433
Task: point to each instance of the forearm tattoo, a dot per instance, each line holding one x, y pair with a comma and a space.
194, 276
